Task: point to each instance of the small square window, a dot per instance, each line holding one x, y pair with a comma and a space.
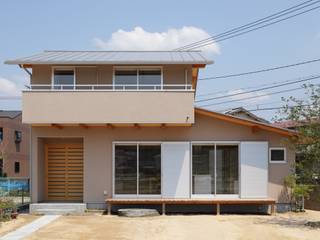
16, 167
277, 155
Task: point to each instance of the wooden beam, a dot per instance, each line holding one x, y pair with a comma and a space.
199, 65
163, 125
255, 129
109, 125
84, 125
195, 72
57, 126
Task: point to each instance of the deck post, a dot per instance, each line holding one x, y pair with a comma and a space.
163, 208
109, 209
218, 208
273, 209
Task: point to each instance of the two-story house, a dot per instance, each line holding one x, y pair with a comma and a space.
14, 145
121, 125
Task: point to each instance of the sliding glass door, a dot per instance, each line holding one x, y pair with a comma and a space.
215, 169
137, 169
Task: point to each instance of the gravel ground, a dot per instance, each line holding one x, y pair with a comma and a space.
96, 226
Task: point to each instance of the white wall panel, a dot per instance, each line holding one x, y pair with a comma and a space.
176, 170
254, 169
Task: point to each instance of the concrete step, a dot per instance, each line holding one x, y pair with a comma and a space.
137, 212
58, 208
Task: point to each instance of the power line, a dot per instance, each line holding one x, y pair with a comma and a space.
243, 26
260, 89
10, 98
263, 95
234, 33
261, 70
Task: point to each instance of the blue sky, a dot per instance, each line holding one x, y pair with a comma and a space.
29, 27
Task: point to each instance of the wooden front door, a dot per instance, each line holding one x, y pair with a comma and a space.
64, 172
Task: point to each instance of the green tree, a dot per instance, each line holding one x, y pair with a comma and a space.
305, 114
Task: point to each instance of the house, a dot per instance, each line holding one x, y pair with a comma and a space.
244, 113
14, 145
122, 126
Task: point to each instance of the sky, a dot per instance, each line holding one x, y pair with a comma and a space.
28, 27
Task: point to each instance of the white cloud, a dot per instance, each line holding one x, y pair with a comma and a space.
9, 88
139, 39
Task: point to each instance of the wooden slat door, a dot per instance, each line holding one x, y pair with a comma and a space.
64, 172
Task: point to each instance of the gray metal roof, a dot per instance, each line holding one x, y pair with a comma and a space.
9, 114
114, 57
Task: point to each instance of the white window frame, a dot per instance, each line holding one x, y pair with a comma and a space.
137, 68
278, 148
63, 68
134, 143
215, 195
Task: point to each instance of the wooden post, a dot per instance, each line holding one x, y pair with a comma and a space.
109, 209
163, 209
218, 208
273, 209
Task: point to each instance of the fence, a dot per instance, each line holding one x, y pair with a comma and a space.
15, 189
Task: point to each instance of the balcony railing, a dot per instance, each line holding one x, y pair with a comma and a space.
108, 87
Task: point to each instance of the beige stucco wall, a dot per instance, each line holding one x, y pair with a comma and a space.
108, 107
103, 74
98, 151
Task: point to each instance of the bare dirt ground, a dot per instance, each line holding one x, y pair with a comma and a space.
195, 227
12, 225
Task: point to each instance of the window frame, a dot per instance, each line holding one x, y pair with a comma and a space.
124, 196
215, 144
284, 155
63, 68
137, 68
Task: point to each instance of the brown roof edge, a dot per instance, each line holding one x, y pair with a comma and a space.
245, 122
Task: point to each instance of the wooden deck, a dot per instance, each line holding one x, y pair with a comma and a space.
216, 202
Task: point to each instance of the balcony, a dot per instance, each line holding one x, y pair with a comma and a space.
108, 104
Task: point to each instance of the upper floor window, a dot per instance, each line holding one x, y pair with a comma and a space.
148, 78
17, 136
16, 167
1, 134
63, 78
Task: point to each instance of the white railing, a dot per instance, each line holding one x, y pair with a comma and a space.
108, 87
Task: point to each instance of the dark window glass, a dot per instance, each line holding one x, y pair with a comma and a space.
16, 167
149, 169
17, 136
63, 77
125, 169
203, 169
123, 78
1, 134
1, 167
277, 155
150, 77
227, 170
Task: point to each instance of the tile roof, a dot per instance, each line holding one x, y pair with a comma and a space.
9, 114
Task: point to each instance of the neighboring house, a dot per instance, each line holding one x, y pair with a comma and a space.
122, 124
241, 112
14, 145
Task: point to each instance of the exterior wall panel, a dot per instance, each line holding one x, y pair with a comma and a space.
108, 107
98, 151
